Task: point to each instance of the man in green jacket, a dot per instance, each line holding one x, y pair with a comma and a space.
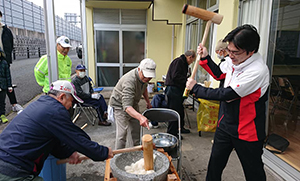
63, 61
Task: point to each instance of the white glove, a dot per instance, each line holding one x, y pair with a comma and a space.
95, 96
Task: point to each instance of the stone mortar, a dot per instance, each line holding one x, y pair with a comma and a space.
118, 163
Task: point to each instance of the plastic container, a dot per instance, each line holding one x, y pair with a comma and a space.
53, 172
150, 87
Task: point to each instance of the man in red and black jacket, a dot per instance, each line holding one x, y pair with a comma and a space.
243, 97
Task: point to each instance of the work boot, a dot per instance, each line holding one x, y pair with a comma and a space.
104, 123
4, 119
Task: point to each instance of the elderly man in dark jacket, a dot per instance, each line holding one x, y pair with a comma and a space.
176, 79
45, 127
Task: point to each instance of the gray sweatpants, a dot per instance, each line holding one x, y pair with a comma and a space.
125, 124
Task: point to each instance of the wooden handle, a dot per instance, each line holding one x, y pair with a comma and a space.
147, 142
62, 161
136, 148
205, 35
125, 150
206, 31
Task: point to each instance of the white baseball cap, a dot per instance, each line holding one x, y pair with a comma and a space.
63, 41
148, 67
67, 87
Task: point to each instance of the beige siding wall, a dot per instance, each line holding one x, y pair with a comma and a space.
229, 9
160, 34
90, 43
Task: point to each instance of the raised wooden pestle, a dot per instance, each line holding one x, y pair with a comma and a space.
147, 143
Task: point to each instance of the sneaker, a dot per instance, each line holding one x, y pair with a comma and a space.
153, 127
17, 108
4, 119
104, 123
185, 131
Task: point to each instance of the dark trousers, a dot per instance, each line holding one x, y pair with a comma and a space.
12, 97
249, 154
175, 102
99, 104
2, 102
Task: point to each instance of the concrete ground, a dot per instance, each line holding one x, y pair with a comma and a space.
195, 152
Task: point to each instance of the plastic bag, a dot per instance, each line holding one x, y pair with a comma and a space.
110, 114
207, 115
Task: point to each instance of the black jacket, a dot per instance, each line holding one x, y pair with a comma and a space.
78, 83
8, 43
177, 73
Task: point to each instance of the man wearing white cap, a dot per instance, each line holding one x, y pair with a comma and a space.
63, 61
45, 127
124, 102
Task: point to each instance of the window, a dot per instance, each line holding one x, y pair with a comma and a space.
120, 42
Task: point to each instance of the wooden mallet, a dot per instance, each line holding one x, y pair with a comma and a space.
147, 147
205, 15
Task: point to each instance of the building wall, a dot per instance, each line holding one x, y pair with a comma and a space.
90, 43
229, 9
167, 14
159, 39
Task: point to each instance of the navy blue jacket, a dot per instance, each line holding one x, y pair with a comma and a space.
45, 127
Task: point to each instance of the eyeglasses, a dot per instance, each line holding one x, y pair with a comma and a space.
235, 53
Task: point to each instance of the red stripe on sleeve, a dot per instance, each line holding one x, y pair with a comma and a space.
203, 64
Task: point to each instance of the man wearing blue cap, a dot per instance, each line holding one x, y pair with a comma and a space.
85, 91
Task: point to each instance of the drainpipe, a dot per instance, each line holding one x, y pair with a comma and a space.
172, 46
84, 33
50, 35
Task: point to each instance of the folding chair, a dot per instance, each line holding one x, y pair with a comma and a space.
285, 99
166, 115
88, 111
96, 89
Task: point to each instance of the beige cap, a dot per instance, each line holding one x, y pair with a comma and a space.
148, 67
221, 45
